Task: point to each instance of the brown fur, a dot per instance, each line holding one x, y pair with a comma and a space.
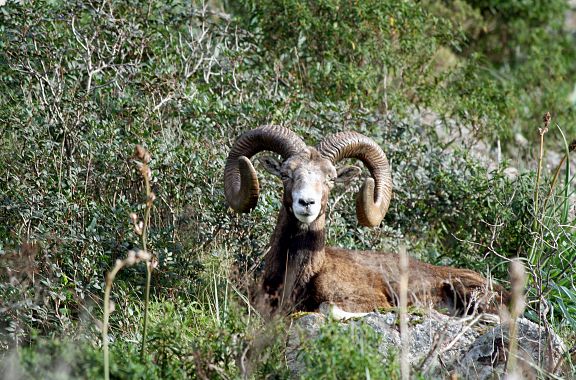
301, 273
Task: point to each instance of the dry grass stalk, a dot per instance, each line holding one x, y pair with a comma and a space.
143, 158
404, 334
133, 257
517, 305
541, 133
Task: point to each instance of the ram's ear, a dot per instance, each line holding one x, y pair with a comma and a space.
347, 174
270, 164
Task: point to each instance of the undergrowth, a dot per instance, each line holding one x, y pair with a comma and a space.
347, 353
83, 82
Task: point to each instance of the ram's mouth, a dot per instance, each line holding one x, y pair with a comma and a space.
305, 217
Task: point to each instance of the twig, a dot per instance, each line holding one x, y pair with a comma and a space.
462, 332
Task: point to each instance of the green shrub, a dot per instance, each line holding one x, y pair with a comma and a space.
375, 53
347, 352
528, 60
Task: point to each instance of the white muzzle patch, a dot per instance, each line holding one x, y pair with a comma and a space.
306, 204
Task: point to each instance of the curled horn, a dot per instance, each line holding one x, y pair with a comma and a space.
240, 181
374, 197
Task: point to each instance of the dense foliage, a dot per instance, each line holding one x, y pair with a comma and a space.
82, 82
493, 64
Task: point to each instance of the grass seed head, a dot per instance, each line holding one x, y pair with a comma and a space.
142, 154
547, 118
133, 217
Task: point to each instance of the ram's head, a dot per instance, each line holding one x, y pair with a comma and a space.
308, 173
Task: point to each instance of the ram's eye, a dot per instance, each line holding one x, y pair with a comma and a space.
284, 176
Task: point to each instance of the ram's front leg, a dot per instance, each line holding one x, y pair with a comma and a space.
333, 311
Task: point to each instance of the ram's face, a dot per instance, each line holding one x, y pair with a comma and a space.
308, 179
307, 184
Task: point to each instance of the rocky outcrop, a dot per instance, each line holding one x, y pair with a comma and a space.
441, 345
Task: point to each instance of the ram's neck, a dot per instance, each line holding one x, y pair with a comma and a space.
296, 254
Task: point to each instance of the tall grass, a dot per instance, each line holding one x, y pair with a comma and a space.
552, 253
143, 158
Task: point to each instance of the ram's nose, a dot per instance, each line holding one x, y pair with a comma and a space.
306, 202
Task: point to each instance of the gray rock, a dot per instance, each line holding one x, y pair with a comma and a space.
570, 17
486, 356
552, 159
511, 173
520, 140
303, 328
440, 344
572, 208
